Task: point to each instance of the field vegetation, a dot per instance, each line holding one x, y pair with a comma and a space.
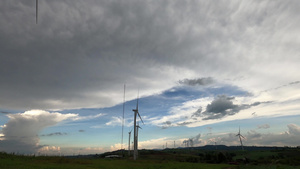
162, 159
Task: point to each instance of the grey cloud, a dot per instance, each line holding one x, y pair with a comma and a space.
17, 146
5, 112
197, 139
194, 141
263, 126
253, 135
293, 83
55, 134
223, 106
282, 86
195, 82
81, 131
197, 113
184, 123
220, 107
166, 124
81, 51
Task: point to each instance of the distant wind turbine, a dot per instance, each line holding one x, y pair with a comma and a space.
137, 136
123, 119
136, 112
240, 136
129, 142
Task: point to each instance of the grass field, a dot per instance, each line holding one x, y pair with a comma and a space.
24, 162
169, 159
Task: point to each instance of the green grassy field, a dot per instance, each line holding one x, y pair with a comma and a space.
23, 162
168, 159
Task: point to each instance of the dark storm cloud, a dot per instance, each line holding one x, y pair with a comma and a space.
81, 52
184, 123
195, 82
55, 134
166, 124
5, 112
197, 113
223, 106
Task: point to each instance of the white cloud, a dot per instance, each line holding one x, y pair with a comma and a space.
159, 143
20, 133
88, 117
117, 121
294, 129
181, 113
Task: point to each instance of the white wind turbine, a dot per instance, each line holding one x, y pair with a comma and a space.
137, 136
136, 112
129, 142
240, 136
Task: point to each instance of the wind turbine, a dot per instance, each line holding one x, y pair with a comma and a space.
136, 112
129, 142
123, 120
137, 136
240, 136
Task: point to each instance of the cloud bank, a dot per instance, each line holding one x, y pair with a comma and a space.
20, 133
81, 53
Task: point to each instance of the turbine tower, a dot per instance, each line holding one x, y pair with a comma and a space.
136, 112
123, 120
240, 136
137, 137
129, 142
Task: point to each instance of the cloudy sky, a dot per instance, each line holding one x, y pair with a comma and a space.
201, 68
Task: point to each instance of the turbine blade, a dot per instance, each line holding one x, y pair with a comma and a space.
242, 136
137, 100
140, 117
137, 104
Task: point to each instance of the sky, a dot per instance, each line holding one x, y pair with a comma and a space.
201, 69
